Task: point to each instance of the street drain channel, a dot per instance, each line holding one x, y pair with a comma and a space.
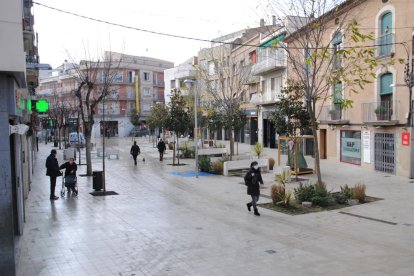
270, 251
373, 219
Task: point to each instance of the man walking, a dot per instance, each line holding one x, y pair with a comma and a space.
135, 150
52, 170
161, 148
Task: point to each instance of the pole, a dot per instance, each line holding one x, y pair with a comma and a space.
103, 145
195, 130
410, 85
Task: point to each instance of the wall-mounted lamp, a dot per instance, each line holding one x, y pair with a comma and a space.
19, 129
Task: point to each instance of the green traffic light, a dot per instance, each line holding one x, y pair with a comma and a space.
42, 105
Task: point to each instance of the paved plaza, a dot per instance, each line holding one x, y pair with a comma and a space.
166, 222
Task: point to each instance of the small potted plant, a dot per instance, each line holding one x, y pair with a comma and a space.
334, 114
380, 112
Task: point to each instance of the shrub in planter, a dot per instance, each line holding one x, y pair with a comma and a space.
322, 196
271, 163
358, 192
171, 145
341, 198
287, 198
277, 193
258, 149
346, 191
217, 167
304, 192
204, 163
187, 151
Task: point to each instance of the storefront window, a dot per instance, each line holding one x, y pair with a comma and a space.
351, 147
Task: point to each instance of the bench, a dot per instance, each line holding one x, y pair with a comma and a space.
112, 152
99, 152
244, 165
212, 151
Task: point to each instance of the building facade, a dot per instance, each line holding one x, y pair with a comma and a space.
374, 131
19, 67
137, 86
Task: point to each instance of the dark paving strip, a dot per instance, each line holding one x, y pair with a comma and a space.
374, 219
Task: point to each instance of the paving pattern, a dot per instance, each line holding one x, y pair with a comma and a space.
165, 222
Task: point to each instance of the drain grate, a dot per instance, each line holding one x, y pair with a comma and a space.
270, 251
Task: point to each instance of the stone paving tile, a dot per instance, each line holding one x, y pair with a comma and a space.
161, 224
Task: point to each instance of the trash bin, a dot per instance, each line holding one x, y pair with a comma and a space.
97, 180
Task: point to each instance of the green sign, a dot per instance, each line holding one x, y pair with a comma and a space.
29, 105
42, 106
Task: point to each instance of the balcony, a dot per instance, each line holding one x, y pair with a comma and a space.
379, 114
333, 115
271, 61
385, 45
159, 83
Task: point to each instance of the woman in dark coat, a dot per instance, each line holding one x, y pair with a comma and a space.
253, 179
70, 175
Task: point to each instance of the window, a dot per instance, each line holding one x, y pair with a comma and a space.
211, 68
253, 57
131, 76
337, 46
146, 107
337, 101
383, 110
385, 84
351, 147
272, 84
146, 76
147, 91
386, 37
118, 76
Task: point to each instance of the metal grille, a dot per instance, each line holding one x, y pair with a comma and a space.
385, 152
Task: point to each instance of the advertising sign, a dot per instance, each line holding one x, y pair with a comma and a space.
405, 138
366, 142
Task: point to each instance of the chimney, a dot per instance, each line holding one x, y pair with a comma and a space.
262, 22
274, 20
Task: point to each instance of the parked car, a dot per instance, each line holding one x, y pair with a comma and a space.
76, 139
139, 132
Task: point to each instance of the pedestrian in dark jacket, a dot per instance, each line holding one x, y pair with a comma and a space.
52, 170
70, 175
135, 150
253, 179
161, 148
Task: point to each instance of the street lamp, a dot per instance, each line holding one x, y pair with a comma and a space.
194, 83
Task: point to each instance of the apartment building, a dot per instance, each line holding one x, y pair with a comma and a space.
19, 69
138, 85
228, 65
373, 132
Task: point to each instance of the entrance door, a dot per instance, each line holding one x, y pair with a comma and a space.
384, 152
253, 131
322, 144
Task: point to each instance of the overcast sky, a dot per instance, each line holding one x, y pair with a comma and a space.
61, 33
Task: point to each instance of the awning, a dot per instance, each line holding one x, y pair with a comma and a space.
273, 41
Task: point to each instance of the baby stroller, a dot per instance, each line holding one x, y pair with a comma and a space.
69, 183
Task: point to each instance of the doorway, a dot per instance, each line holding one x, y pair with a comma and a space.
322, 144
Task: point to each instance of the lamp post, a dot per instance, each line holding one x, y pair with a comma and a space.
194, 83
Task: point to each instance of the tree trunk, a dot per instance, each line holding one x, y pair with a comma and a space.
60, 145
316, 145
178, 152
231, 144
88, 155
174, 151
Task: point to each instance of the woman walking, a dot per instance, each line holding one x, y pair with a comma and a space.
253, 179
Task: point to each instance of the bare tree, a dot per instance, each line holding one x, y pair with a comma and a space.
94, 79
324, 47
222, 82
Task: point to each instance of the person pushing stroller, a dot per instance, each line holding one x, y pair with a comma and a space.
70, 175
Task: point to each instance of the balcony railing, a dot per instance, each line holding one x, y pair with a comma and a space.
159, 83
378, 113
385, 44
274, 61
333, 114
